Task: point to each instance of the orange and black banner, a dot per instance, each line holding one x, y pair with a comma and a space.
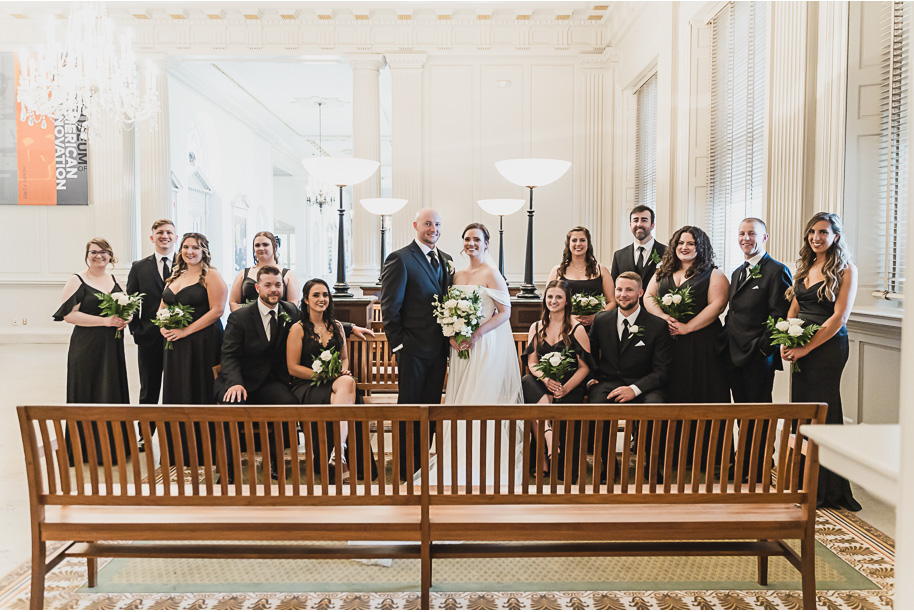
43, 164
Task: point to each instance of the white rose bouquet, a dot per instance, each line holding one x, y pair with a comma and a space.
558, 365
459, 315
791, 333
584, 304
175, 316
119, 304
677, 303
327, 367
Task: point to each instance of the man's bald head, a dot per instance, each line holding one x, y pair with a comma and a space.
427, 226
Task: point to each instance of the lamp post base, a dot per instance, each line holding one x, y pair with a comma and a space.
341, 290
528, 292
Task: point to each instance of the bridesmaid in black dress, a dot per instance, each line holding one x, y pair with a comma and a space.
555, 332
96, 368
316, 332
266, 253
699, 374
188, 369
581, 270
823, 292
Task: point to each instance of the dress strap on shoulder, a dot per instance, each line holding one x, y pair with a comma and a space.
284, 272
80, 278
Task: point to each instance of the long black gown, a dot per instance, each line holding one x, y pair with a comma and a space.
819, 380
188, 369
249, 286
320, 394
699, 375
96, 367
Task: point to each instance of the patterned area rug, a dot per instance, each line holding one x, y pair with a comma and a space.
855, 566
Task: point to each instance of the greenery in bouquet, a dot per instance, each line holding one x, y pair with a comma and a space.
459, 315
559, 366
584, 304
791, 333
119, 304
175, 316
327, 367
677, 303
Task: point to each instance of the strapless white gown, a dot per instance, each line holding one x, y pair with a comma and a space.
491, 375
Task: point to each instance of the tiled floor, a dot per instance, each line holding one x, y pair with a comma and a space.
36, 374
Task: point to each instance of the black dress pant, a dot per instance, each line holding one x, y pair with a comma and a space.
150, 358
752, 383
420, 381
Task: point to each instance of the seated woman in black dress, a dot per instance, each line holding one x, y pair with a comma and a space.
266, 253
316, 332
582, 271
96, 368
554, 333
823, 292
188, 367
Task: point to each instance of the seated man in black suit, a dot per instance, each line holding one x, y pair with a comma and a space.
633, 352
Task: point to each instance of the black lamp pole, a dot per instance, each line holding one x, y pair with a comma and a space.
501, 245
528, 289
341, 288
383, 248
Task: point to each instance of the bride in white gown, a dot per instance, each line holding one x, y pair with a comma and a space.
491, 374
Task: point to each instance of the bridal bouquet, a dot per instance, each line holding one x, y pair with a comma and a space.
119, 304
792, 334
677, 303
327, 367
176, 316
583, 304
558, 365
459, 315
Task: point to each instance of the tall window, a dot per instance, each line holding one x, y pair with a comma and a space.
894, 150
735, 169
646, 144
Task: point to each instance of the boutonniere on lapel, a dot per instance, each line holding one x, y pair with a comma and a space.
655, 258
284, 317
635, 331
756, 271
450, 267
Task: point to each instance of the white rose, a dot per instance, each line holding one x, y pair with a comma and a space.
326, 356
466, 331
666, 300
460, 322
795, 330
782, 326
473, 321
793, 321
463, 305
179, 312
447, 330
317, 366
676, 299
450, 304
162, 314
121, 298
555, 360
633, 329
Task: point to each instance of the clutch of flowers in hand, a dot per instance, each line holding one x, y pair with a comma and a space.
584, 304
326, 368
119, 304
791, 333
175, 316
677, 303
459, 315
558, 365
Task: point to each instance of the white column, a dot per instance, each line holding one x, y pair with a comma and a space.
154, 164
366, 128
406, 71
595, 155
787, 166
113, 191
831, 106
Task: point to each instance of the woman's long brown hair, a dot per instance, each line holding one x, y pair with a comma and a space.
566, 315
837, 259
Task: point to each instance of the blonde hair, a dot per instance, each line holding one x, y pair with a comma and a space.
837, 259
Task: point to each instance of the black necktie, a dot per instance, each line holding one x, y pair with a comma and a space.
436, 267
274, 332
166, 269
624, 329
744, 275
640, 264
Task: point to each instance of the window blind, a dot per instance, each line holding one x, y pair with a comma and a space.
894, 149
735, 167
646, 144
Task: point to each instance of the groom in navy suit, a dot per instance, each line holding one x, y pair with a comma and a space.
411, 277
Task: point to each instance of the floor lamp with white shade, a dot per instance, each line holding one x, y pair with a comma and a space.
531, 173
384, 208
342, 172
501, 207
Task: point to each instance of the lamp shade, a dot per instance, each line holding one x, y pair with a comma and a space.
501, 206
382, 206
532, 172
340, 171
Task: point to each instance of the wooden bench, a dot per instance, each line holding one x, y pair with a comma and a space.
120, 510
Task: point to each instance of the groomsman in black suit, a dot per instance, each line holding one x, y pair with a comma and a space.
633, 352
757, 291
411, 277
148, 276
645, 253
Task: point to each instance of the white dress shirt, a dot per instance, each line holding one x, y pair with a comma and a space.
265, 316
621, 327
426, 250
169, 261
648, 247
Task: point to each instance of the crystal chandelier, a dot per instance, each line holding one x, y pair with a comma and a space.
315, 195
314, 190
92, 73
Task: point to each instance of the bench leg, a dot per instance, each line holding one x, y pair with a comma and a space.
426, 570
808, 573
39, 567
92, 568
763, 569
